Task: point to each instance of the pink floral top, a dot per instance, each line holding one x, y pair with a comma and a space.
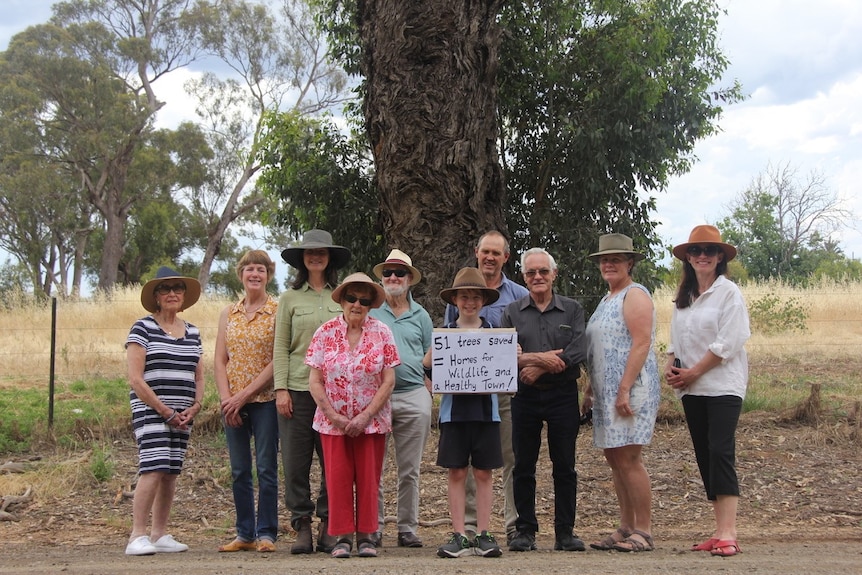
249, 346
352, 377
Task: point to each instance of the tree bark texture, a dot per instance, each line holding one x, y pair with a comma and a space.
430, 113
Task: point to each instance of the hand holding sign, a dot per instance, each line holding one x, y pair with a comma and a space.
474, 361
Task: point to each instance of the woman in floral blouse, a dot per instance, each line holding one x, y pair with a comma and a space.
243, 374
352, 359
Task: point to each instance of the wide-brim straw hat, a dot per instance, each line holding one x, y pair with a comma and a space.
469, 278
615, 244
315, 239
397, 257
164, 273
705, 234
363, 279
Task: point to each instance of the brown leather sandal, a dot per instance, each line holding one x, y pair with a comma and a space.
608, 542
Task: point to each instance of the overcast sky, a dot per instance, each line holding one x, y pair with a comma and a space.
800, 65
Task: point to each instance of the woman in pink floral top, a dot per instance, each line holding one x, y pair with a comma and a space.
352, 359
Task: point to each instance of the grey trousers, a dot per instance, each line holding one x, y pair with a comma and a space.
411, 425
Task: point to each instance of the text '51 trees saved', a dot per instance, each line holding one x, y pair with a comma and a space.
477, 361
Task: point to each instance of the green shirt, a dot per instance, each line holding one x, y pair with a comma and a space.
412, 331
300, 312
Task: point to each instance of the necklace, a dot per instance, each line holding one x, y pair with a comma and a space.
168, 328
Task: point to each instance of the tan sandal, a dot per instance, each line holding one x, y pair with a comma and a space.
632, 545
265, 546
238, 545
608, 542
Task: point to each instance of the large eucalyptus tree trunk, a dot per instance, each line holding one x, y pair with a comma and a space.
430, 112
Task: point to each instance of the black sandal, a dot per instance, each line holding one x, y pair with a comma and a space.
342, 548
366, 548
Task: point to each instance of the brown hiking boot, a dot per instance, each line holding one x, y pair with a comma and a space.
303, 544
325, 541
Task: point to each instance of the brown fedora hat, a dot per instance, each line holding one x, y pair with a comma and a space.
705, 234
615, 244
469, 278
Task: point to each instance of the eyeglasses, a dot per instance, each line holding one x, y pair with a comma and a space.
363, 301
399, 273
164, 289
709, 250
544, 272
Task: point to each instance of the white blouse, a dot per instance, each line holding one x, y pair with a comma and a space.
716, 321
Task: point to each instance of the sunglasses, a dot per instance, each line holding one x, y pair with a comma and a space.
708, 250
397, 273
165, 289
363, 301
544, 272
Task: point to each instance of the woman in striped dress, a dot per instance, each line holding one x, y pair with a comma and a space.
166, 379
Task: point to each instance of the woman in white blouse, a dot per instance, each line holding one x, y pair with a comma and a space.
708, 367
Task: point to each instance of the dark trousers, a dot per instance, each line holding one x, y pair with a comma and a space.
299, 443
531, 409
712, 426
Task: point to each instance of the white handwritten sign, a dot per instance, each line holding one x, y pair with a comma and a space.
474, 361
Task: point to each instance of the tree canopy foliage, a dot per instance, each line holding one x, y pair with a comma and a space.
783, 224
598, 104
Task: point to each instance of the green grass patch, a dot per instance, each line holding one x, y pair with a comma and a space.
84, 412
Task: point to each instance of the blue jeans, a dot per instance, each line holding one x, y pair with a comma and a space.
531, 409
262, 424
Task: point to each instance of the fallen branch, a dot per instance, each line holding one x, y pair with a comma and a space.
13, 467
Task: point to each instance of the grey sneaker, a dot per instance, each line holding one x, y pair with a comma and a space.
457, 546
486, 546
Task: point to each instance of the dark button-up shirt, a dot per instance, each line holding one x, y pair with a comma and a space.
560, 326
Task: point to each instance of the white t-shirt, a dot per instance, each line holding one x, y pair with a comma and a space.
716, 321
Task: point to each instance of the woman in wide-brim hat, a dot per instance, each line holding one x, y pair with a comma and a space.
623, 390
167, 385
352, 360
708, 368
301, 310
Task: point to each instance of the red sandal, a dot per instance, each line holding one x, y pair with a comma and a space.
726, 548
707, 545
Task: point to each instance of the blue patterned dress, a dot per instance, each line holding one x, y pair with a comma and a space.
608, 345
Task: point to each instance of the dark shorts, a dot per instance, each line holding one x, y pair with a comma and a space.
466, 443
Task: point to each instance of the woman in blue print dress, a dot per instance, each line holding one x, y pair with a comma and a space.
624, 389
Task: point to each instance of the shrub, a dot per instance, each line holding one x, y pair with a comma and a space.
770, 315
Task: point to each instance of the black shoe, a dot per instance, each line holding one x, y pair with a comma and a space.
303, 544
377, 538
408, 539
523, 541
325, 541
569, 543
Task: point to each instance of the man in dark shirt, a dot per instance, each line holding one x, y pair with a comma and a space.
551, 335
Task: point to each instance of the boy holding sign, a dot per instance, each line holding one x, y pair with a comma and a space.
469, 428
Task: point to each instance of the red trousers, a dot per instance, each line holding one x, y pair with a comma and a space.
353, 462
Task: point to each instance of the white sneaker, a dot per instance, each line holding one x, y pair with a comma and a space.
140, 546
167, 544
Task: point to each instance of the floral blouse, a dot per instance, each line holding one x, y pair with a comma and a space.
352, 377
249, 346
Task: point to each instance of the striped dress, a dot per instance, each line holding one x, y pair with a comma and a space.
169, 370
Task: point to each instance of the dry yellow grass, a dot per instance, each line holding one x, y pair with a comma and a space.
834, 324
91, 333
